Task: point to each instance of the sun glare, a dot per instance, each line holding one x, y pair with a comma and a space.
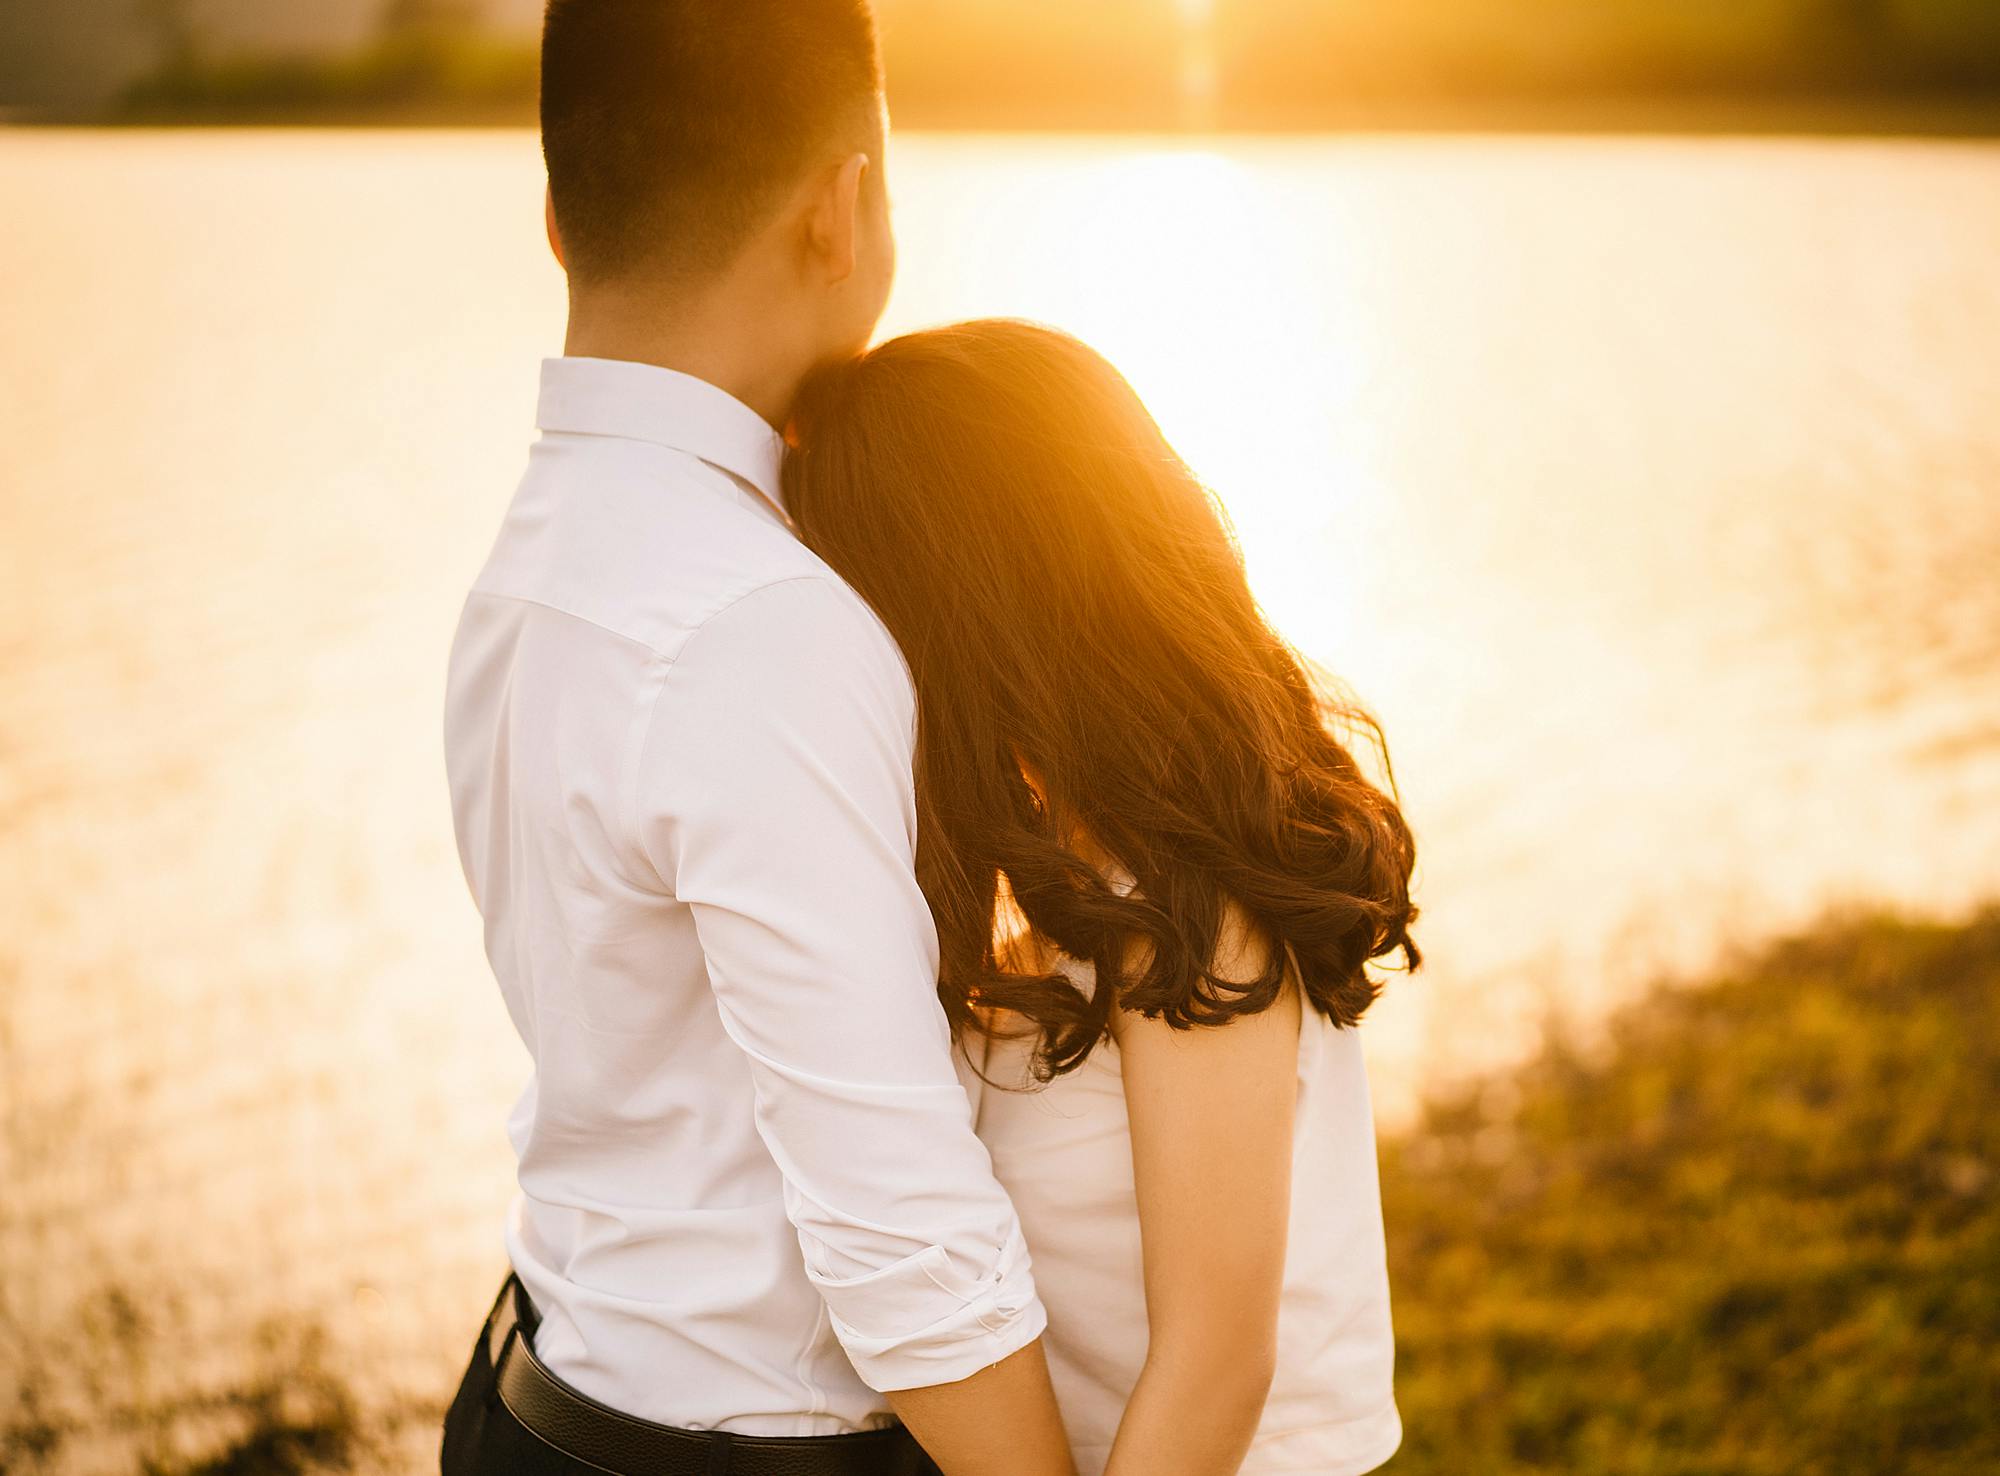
1178, 266
1197, 81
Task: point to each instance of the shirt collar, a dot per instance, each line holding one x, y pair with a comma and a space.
643, 402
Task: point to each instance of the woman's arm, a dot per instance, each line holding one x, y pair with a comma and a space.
1211, 1112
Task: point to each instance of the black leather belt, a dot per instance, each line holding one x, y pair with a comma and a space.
599, 1435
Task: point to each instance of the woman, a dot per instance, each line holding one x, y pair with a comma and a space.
1158, 877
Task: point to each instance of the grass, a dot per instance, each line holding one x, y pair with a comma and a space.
1758, 1232
287, 1412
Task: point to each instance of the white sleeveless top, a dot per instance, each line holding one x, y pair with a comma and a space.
1064, 1152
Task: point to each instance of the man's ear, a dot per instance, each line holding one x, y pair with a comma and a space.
549, 220
835, 220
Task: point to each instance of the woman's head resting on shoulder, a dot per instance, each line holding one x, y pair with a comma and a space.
1097, 692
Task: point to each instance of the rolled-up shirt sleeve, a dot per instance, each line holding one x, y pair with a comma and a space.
774, 800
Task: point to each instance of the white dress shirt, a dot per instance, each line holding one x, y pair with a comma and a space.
680, 753
1065, 1153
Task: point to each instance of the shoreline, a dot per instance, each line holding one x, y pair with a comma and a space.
1967, 116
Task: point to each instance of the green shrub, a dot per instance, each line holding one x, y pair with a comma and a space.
1757, 1234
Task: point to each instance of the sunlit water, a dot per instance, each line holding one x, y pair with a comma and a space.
1648, 491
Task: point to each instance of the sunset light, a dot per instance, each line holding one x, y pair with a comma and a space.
1197, 75
1271, 744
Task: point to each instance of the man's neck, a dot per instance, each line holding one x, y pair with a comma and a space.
708, 338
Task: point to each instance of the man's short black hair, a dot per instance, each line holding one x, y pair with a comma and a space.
673, 128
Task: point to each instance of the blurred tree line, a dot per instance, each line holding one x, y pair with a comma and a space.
1131, 63
424, 58
1285, 57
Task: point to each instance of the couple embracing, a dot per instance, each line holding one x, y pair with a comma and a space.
935, 902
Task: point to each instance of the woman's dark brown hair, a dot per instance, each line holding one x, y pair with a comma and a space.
1089, 663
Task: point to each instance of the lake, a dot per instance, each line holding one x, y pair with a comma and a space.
1647, 490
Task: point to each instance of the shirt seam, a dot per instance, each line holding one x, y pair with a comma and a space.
649, 647
649, 707
659, 664
802, 1368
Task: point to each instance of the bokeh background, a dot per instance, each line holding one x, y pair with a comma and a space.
1605, 389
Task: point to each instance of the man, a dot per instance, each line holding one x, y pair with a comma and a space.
754, 1225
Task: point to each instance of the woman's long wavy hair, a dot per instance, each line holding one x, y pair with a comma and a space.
1090, 667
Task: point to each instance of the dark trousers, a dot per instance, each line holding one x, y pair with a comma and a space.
511, 1417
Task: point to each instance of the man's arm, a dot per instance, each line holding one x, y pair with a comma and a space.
774, 798
999, 1422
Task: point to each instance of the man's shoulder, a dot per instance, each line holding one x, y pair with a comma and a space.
658, 566
804, 617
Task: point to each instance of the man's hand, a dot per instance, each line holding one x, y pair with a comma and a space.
1002, 1421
